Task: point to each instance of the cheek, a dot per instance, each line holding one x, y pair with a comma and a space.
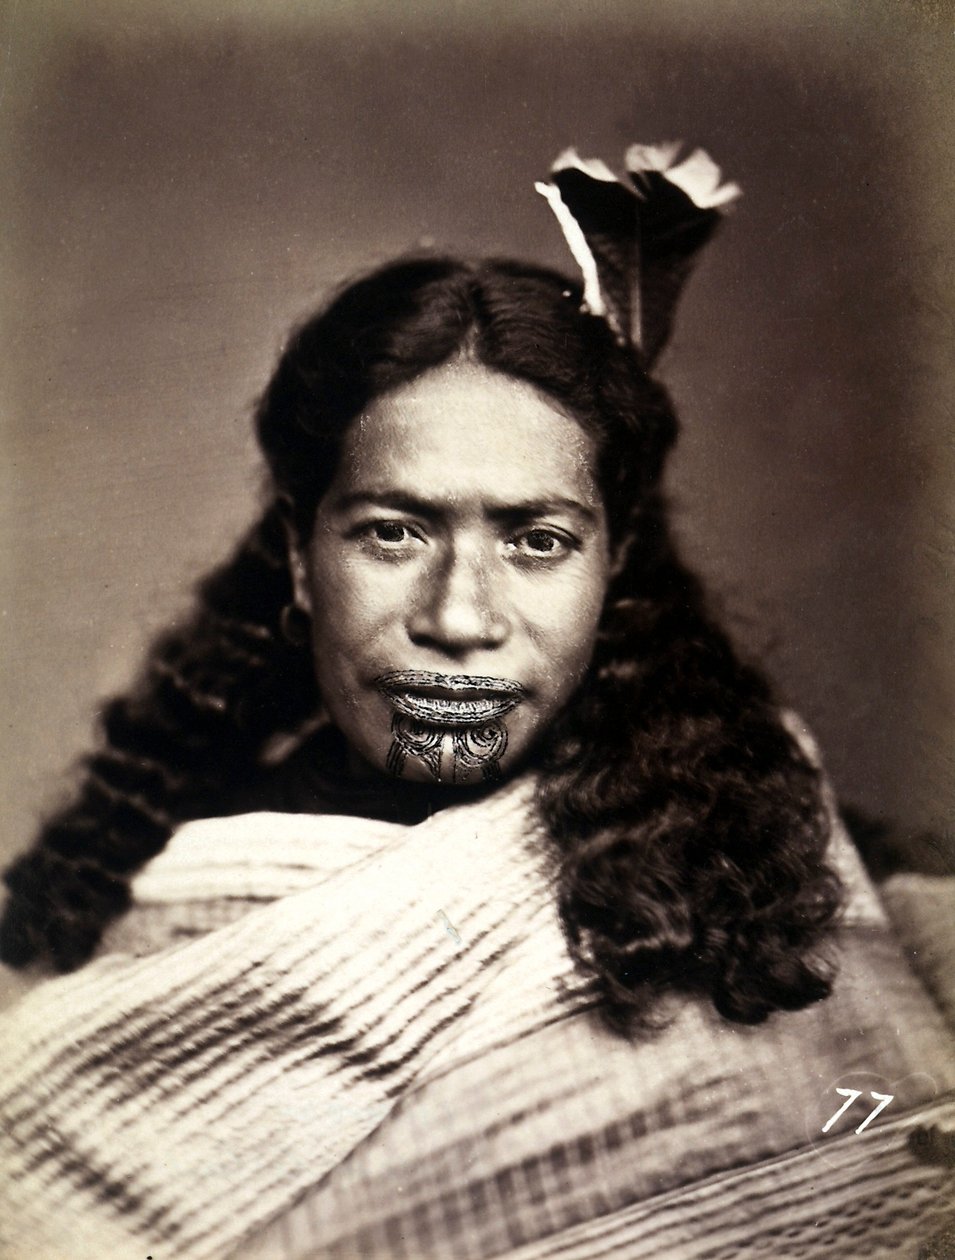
357, 615
347, 597
564, 629
343, 611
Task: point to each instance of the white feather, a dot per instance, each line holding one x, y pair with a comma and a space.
570, 159
697, 175
652, 157
577, 243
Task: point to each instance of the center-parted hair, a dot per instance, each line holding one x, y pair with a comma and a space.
688, 824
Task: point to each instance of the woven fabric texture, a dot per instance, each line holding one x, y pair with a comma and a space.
353, 1039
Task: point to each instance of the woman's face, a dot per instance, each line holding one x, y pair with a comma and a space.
455, 576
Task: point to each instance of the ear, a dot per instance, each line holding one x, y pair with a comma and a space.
298, 569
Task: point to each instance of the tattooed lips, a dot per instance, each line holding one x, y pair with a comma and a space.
449, 699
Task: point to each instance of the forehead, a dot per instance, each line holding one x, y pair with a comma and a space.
462, 430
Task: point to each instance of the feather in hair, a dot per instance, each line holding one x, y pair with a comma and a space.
635, 241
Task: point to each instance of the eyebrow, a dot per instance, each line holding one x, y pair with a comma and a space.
405, 501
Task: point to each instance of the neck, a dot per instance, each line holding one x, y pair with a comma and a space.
325, 776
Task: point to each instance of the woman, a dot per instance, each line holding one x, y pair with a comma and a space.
460, 662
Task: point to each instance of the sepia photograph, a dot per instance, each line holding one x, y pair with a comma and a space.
477, 580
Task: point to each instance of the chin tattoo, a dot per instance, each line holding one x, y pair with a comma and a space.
452, 724
472, 750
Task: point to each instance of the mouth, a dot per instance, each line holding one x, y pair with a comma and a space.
449, 699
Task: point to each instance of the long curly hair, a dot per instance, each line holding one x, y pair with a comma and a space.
689, 825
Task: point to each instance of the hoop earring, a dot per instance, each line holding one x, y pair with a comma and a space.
295, 623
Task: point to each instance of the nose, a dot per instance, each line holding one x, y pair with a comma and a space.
456, 607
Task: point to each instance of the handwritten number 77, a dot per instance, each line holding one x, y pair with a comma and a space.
850, 1095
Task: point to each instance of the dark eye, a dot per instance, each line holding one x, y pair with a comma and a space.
392, 532
388, 537
541, 544
542, 540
